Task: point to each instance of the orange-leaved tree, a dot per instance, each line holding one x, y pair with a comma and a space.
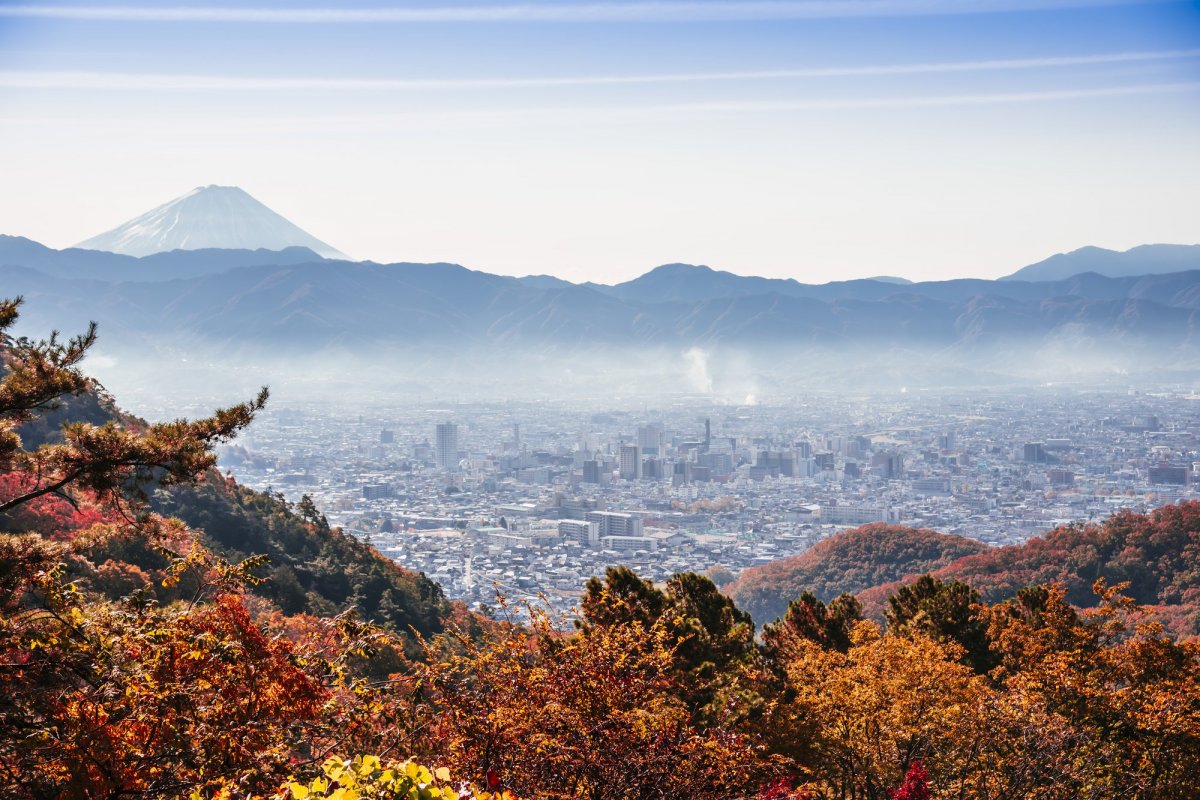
582, 715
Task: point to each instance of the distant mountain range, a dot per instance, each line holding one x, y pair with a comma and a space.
228, 218
1149, 259
295, 299
205, 218
292, 306
75, 262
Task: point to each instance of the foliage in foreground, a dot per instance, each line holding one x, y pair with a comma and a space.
369, 777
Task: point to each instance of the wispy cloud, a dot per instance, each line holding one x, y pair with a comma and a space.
666, 10
930, 101
166, 82
541, 116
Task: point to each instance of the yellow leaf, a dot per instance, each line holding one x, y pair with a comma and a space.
334, 767
299, 790
443, 774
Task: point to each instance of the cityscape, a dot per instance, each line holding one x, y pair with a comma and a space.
531, 499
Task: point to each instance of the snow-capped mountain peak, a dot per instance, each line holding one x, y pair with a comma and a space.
208, 216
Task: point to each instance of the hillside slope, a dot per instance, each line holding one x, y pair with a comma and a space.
313, 569
1157, 554
850, 561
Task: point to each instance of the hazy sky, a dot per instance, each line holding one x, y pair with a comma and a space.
815, 139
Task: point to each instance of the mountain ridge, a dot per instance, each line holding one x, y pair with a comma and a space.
1146, 259
432, 321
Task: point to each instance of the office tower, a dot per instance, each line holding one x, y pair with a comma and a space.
888, 465
386, 437
1035, 453
447, 445
631, 462
650, 439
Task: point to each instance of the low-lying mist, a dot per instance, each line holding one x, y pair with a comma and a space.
173, 378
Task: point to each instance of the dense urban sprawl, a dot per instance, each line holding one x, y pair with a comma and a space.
533, 498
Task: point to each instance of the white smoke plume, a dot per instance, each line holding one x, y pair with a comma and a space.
697, 370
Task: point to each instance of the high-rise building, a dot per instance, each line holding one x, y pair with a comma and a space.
776, 462
631, 462
650, 439
386, 437
581, 531
591, 471
888, 465
1063, 477
616, 523
719, 463
1035, 453
446, 452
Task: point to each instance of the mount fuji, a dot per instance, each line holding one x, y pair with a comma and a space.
208, 217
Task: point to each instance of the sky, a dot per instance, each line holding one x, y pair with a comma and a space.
811, 139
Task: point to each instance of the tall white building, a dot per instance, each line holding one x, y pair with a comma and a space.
446, 453
631, 462
586, 533
616, 523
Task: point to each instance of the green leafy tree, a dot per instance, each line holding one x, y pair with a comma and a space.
946, 612
809, 619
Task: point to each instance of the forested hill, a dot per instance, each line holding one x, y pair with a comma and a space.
312, 568
849, 562
1158, 554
